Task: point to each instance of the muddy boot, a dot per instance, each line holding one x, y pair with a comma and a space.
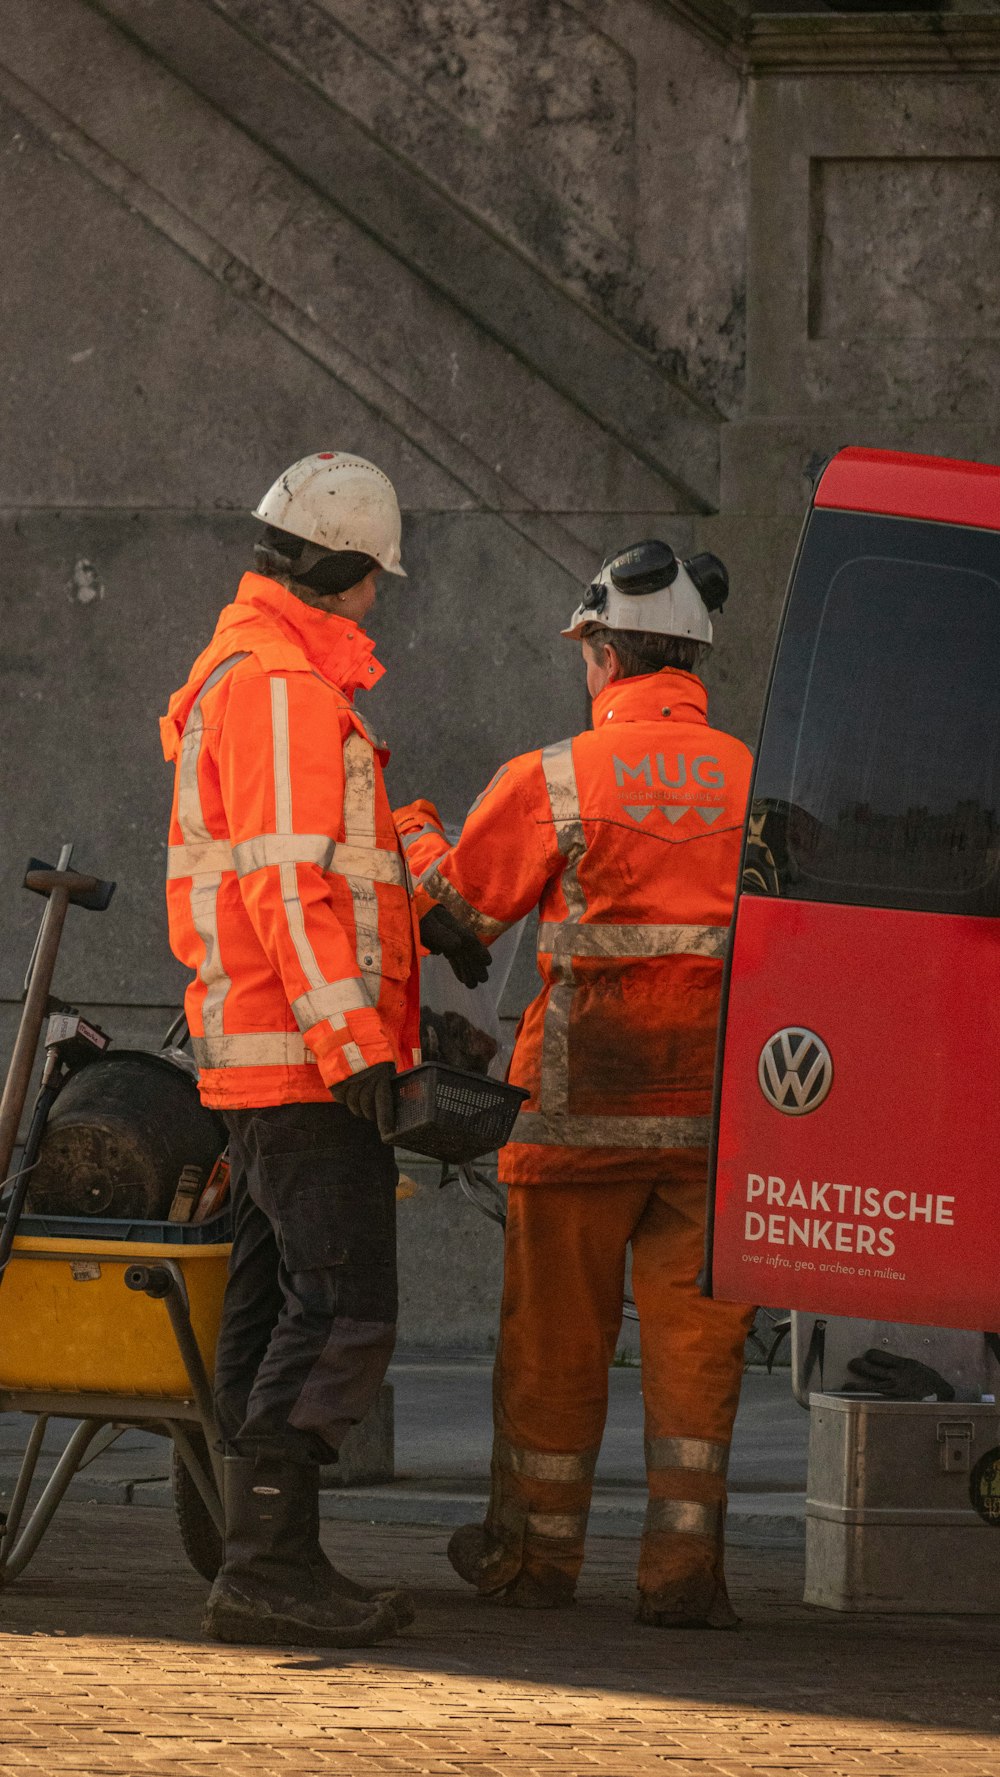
548, 1590
699, 1602
396, 1598
480, 1558
271, 1588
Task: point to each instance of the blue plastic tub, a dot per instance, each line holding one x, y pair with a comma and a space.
215, 1232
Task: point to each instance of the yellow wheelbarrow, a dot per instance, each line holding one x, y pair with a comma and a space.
116, 1333
110, 1323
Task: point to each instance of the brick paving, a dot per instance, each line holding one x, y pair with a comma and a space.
103, 1670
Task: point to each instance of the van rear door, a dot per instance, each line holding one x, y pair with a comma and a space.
857, 1125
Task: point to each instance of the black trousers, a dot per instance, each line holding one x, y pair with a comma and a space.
309, 1316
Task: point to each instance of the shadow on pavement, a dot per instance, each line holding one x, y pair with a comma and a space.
118, 1577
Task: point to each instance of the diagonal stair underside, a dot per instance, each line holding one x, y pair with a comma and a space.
474, 482
601, 373
266, 232
569, 229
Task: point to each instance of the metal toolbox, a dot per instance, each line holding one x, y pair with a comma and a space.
903, 1505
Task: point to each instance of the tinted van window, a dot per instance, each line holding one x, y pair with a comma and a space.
878, 780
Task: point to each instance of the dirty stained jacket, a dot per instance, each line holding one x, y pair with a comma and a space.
287, 892
627, 840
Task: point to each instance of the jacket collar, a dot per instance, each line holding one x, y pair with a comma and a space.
282, 633
336, 646
669, 695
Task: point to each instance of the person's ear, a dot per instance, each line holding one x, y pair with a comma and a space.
611, 663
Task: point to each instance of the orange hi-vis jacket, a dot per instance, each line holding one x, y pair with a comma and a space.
627, 839
287, 894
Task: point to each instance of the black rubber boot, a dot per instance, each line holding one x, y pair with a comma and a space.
271, 1588
398, 1600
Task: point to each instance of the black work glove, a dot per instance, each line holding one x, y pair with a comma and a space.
369, 1094
897, 1378
467, 955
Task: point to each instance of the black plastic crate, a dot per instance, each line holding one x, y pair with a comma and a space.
452, 1115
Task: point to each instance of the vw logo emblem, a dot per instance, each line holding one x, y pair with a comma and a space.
795, 1071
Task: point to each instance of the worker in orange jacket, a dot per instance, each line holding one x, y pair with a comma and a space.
289, 901
627, 840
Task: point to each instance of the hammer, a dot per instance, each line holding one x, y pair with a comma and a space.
62, 886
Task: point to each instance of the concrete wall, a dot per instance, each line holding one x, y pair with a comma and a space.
872, 314
570, 272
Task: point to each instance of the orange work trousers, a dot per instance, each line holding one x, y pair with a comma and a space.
564, 1281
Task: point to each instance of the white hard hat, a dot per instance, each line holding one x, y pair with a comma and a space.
646, 588
338, 502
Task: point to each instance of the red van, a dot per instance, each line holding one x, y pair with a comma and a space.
856, 1141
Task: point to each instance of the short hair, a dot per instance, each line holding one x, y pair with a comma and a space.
642, 651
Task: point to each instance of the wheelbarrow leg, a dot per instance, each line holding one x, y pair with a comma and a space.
112, 1433
25, 1476
204, 1483
165, 1283
17, 1553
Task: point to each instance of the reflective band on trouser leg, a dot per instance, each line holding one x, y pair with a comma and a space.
683, 1517
564, 1273
539, 1507
680, 1564
687, 1485
559, 1527
681, 1559
692, 1367
702, 1454
547, 1465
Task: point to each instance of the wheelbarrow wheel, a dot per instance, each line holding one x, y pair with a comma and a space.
202, 1542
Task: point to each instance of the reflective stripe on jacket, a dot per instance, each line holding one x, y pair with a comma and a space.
627, 839
287, 892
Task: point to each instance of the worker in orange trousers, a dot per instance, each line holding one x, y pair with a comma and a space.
627, 841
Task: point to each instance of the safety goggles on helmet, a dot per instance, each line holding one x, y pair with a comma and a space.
646, 588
